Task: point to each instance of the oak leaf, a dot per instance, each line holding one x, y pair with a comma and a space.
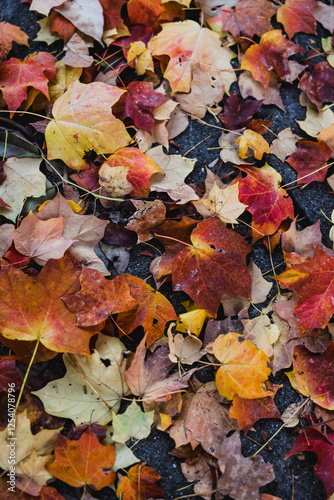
310, 161
187, 44
296, 16
312, 375
83, 121
98, 298
267, 202
323, 445
10, 33
313, 279
204, 269
31, 307
70, 397
244, 367
16, 76
271, 53
83, 462
148, 375
203, 419
41, 240
139, 484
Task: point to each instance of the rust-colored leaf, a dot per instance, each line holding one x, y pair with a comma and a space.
139, 484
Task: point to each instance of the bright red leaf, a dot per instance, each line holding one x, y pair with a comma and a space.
214, 264
16, 76
267, 202
323, 446
313, 279
296, 16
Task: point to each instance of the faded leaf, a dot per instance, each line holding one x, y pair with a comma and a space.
285, 144
132, 424
224, 203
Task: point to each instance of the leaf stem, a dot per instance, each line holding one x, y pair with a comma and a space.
26, 376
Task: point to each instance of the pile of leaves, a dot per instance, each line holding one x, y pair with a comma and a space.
87, 181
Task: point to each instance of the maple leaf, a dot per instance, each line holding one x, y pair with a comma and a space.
148, 215
252, 140
296, 15
9, 374
77, 54
313, 279
272, 52
285, 144
237, 115
152, 312
241, 476
249, 411
146, 10
31, 309
139, 484
65, 75
318, 84
83, 121
61, 26
83, 462
310, 157
148, 376
312, 375
224, 203
16, 76
204, 269
203, 419
98, 298
187, 44
267, 202
203, 96
261, 332
138, 169
84, 230
69, 397
132, 424
10, 33
184, 349
244, 367
303, 242
323, 445
41, 240
249, 18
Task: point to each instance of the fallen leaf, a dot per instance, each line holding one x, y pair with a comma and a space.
41, 240
86, 15
83, 462
249, 411
241, 476
98, 298
324, 14
74, 396
224, 203
139, 484
184, 349
187, 44
318, 84
236, 115
312, 375
296, 16
261, 332
33, 310
6, 238
244, 367
204, 95
24, 179
310, 161
152, 312
44, 6
316, 121
249, 87
252, 140
203, 419
267, 202
148, 215
16, 76
77, 54
285, 144
83, 121
65, 75
10, 33
148, 375
322, 445
132, 424
204, 269
272, 52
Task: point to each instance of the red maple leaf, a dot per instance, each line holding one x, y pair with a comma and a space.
309, 160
